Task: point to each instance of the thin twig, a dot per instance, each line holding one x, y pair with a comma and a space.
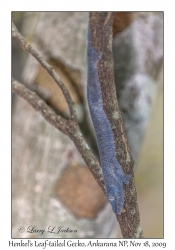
38, 104
50, 70
68, 127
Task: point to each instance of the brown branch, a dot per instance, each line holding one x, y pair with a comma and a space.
68, 127
100, 24
39, 105
50, 70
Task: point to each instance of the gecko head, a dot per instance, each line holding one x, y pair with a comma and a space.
115, 199
110, 198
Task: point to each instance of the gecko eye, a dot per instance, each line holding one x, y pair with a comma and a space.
111, 198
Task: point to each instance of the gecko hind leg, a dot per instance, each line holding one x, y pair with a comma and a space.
118, 171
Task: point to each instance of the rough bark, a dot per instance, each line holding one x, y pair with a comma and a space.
101, 30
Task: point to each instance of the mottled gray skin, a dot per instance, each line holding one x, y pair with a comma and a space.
113, 174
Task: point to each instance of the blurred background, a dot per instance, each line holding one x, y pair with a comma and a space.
51, 185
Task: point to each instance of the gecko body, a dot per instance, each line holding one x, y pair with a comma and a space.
114, 176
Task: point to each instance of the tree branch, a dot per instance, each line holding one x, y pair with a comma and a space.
100, 24
39, 105
68, 127
50, 70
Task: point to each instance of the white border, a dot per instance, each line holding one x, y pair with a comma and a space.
5, 96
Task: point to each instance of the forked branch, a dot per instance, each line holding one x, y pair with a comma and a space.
48, 67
